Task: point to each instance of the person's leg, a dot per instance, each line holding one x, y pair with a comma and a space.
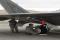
16, 28
12, 28
41, 29
46, 30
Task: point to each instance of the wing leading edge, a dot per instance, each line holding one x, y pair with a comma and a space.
53, 18
12, 7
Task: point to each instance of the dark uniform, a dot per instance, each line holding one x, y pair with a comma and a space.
13, 26
43, 26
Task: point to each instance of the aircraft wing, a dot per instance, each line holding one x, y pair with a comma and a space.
16, 11
53, 18
12, 7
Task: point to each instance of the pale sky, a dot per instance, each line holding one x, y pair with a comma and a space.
39, 5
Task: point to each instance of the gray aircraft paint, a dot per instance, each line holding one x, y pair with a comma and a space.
12, 7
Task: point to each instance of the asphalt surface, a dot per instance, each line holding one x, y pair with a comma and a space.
5, 34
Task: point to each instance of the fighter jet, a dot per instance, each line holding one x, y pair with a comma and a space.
18, 13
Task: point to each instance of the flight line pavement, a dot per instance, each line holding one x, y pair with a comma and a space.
5, 34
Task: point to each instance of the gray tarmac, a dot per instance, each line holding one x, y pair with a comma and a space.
5, 34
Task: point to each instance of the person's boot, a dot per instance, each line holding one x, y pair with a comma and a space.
12, 29
17, 31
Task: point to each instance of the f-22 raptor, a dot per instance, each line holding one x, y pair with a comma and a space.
17, 12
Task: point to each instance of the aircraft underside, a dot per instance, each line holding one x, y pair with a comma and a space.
54, 19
